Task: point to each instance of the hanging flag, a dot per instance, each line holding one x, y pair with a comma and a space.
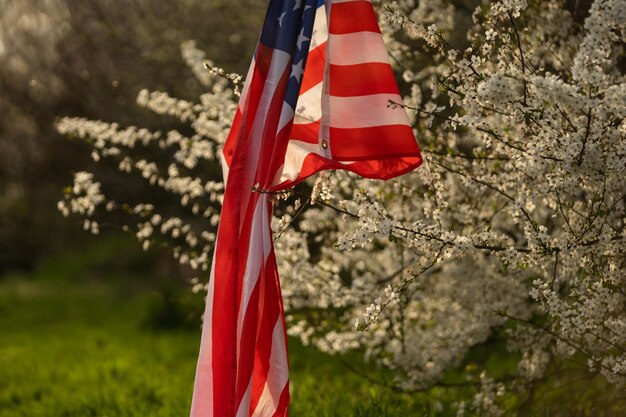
316, 97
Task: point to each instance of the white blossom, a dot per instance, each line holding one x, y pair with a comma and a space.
514, 224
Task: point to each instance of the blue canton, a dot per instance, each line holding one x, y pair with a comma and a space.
288, 27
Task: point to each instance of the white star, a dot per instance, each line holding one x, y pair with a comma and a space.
280, 19
301, 39
298, 5
297, 71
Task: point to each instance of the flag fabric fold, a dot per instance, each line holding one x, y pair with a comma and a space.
317, 96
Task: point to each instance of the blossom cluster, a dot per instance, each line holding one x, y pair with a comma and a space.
137, 152
513, 227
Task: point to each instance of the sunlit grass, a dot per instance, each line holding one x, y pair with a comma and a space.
98, 347
80, 337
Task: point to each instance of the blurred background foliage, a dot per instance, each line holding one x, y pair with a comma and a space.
78, 311
90, 58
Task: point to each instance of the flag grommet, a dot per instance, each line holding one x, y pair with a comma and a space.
324, 144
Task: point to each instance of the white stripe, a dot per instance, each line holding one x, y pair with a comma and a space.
309, 106
297, 151
278, 374
202, 400
366, 111
246, 84
280, 60
323, 133
224, 164
286, 114
356, 48
260, 246
244, 405
320, 29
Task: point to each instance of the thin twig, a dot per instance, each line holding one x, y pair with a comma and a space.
292, 220
521, 52
579, 159
561, 338
402, 287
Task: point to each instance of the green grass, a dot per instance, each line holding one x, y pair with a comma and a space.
100, 347
84, 352
94, 334
89, 350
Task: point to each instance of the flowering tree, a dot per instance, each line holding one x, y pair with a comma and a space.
513, 228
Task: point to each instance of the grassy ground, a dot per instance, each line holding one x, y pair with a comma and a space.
91, 335
100, 347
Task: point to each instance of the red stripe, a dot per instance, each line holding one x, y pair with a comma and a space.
245, 234
312, 163
270, 308
224, 302
372, 142
307, 132
234, 235
248, 338
263, 60
314, 70
262, 162
280, 150
353, 16
267, 152
230, 263
231, 141
283, 403
259, 75
383, 169
362, 80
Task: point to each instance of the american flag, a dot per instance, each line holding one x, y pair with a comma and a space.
316, 97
